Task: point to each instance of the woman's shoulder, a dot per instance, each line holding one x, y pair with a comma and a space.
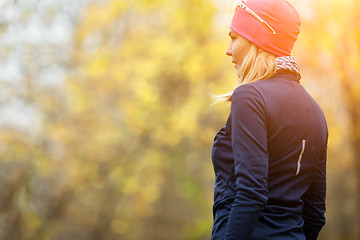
249, 89
249, 92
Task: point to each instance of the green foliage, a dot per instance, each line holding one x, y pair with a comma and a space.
125, 149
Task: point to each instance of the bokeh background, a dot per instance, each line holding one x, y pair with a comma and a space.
106, 126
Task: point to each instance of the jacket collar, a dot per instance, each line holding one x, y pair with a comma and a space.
287, 75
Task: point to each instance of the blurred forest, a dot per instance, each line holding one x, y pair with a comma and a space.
106, 126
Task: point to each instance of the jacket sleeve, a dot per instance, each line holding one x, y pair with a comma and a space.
249, 142
314, 202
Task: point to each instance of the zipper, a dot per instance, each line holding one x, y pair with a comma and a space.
300, 157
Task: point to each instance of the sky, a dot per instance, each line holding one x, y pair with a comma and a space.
35, 42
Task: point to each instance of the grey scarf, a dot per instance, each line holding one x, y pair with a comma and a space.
287, 63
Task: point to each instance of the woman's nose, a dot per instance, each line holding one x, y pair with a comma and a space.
228, 51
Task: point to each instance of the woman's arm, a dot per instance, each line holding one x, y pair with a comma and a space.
249, 142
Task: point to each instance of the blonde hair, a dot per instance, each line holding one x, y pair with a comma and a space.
258, 64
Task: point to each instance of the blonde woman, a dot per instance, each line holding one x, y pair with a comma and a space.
270, 157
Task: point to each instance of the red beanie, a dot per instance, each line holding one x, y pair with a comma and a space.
279, 14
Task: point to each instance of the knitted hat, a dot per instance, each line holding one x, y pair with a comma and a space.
277, 34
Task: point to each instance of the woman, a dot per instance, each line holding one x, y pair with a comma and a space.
270, 157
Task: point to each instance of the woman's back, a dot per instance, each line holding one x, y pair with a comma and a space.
278, 137
296, 145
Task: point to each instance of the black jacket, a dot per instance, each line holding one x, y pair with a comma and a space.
270, 163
